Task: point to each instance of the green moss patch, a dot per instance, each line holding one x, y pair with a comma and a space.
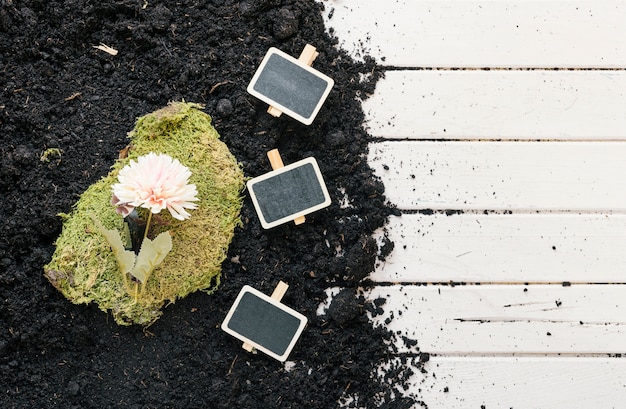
83, 267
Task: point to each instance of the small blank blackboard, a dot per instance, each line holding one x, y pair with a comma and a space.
264, 323
287, 193
290, 85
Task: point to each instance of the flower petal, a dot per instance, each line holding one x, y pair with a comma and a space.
155, 182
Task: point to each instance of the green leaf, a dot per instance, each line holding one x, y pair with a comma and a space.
126, 237
152, 254
125, 258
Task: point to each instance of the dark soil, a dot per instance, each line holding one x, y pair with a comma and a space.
58, 91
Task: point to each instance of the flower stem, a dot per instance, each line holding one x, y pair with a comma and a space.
126, 283
145, 233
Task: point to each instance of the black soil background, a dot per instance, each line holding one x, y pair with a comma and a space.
58, 91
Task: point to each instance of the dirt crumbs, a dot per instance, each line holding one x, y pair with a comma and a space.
75, 75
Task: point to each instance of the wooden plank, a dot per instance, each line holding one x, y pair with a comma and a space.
527, 176
506, 319
470, 104
500, 33
482, 330
520, 382
504, 248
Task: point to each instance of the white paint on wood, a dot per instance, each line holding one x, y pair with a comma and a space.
469, 104
506, 319
506, 248
520, 382
495, 337
496, 33
578, 176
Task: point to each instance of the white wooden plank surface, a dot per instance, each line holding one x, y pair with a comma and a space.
522, 383
496, 33
491, 340
506, 319
505, 248
524, 176
470, 104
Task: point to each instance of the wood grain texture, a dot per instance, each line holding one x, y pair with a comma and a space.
496, 33
516, 176
506, 319
469, 104
504, 248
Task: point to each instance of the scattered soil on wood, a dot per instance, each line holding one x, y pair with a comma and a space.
61, 95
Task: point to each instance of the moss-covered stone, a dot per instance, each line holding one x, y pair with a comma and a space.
83, 267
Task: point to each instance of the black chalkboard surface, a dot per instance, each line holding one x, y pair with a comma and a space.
264, 323
290, 85
284, 194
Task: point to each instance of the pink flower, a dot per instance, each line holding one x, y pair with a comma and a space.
155, 182
122, 208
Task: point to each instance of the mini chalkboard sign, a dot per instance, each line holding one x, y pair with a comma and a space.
288, 192
264, 323
290, 85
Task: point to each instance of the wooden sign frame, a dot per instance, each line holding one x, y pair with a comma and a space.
303, 65
250, 343
297, 216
